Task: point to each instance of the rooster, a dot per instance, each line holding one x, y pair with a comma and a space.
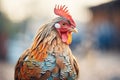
49, 57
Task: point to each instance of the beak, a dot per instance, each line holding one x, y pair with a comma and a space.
74, 30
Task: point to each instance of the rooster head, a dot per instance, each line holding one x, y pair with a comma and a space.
65, 25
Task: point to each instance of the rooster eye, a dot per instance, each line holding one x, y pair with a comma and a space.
63, 24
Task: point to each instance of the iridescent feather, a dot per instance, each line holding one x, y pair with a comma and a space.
48, 58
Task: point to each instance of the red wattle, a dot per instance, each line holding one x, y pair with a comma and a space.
64, 37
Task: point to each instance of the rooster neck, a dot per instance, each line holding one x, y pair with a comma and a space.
45, 43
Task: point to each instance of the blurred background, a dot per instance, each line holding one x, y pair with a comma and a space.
96, 46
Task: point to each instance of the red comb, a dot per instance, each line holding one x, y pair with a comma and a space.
63, 12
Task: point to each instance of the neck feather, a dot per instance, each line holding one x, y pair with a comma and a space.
44, 41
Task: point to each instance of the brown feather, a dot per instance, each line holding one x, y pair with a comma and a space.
46, 42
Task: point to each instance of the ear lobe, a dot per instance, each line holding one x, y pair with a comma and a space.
57, 25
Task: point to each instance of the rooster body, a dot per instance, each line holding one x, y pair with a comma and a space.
49, 57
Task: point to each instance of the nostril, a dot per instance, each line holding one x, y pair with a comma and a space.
73, 27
